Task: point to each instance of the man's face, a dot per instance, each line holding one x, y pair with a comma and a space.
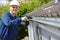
13, 9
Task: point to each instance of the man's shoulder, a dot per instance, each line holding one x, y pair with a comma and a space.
5, 14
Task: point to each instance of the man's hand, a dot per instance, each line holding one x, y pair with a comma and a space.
25, 19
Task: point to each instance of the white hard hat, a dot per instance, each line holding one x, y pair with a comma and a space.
14, 2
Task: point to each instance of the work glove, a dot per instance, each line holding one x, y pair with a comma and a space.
25, 19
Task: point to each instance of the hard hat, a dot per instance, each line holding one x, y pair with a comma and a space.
14, 2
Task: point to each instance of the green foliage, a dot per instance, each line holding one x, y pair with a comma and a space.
29, 6
9, 0
26, 7
3, 9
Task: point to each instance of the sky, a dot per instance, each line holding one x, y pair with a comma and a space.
3, 2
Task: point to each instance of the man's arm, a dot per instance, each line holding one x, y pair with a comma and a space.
8, 22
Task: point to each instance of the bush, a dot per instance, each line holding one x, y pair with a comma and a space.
3, 9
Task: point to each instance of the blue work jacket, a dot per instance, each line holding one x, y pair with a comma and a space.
10, 25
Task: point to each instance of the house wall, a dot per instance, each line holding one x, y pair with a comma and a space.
39, 29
